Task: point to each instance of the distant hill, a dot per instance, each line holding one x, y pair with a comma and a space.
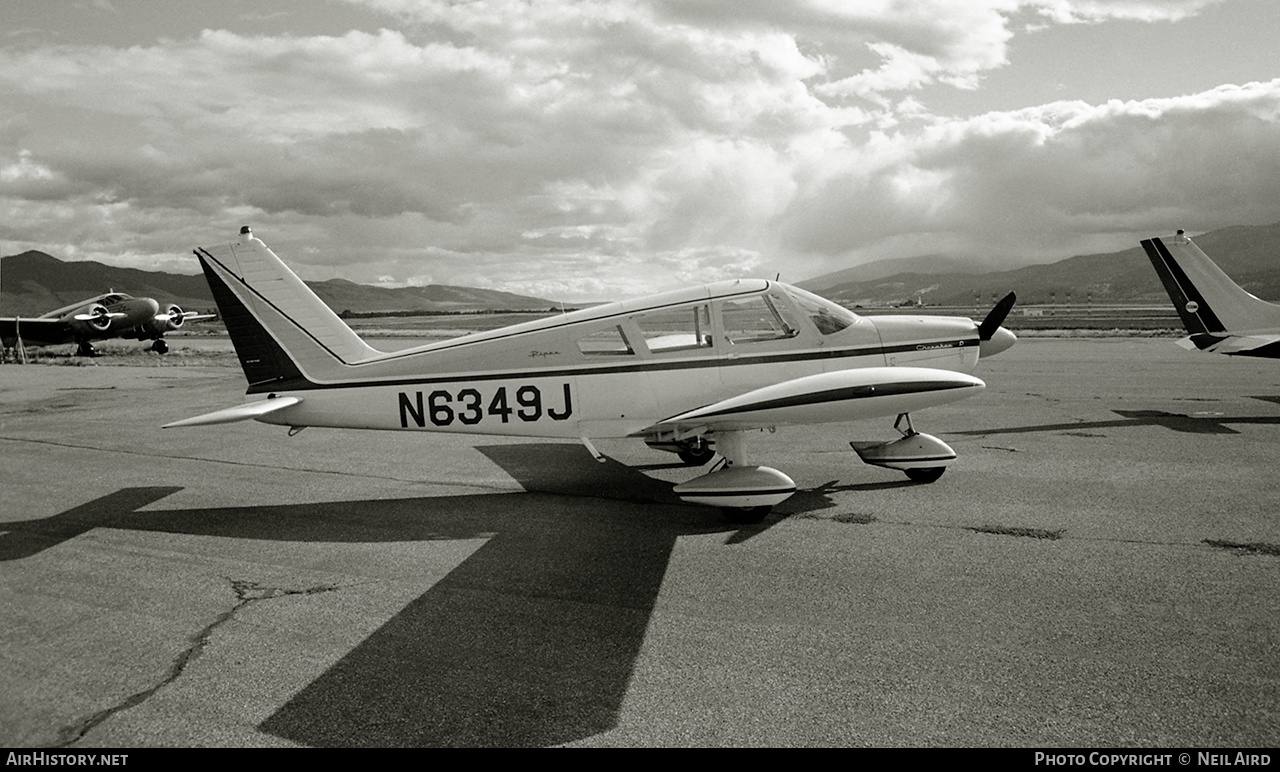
1249, 254
33, 283
342, 295
881, 269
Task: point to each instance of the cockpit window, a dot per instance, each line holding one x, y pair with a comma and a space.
608, 342
754, 319
675, 329
825, 315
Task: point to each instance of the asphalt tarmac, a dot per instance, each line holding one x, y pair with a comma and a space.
1099, 568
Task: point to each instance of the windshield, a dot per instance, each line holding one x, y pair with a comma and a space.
826, 315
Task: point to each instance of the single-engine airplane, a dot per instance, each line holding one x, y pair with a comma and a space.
1218, 313
111, 315
689, 371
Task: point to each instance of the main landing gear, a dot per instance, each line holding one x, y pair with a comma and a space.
160, 346
745, 494
922, 457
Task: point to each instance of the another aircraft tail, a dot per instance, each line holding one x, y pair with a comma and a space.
285, 336
1209, 302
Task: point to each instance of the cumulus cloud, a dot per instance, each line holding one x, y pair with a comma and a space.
1044, 177
594, 149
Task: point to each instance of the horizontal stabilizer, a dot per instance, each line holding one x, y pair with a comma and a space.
238, 413
1265, 345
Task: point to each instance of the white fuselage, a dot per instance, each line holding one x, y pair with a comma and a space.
717, 358
556, 394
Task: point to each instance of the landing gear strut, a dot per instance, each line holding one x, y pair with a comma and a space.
696, 452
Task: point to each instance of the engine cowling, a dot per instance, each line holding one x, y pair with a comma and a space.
170, 320
90, 320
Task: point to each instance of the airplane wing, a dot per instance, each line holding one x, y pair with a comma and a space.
834, 397
36, 330
186, 317
237, 413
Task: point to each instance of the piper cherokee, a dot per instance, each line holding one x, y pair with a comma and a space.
689, 371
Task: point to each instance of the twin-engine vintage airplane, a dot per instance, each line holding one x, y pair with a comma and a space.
1220, 315
689, 371
113, 315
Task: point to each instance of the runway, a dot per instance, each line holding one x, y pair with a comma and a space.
1098, 569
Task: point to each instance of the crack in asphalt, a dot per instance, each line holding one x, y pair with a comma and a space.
246, 593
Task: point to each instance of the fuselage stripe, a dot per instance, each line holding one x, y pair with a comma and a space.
833, 395
642, 366
1203, 317
739, 492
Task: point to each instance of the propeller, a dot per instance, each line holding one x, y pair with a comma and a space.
100, 313
175, 316
991, 336
996, 316
98, 317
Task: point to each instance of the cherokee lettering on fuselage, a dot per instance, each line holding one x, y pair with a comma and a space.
469, 406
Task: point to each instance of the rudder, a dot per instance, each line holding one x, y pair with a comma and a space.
284, 335
1206, 299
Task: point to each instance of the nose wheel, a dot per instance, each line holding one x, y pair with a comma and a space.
922, 457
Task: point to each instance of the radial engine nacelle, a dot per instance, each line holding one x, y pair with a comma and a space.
169, 320
91, 319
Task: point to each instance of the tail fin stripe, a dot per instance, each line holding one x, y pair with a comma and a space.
283, 314
264, 361
1197, 315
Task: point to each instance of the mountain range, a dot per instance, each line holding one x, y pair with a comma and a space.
34, 282
1249, 254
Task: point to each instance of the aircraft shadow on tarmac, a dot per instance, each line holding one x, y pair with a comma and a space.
530, 641
1206, 423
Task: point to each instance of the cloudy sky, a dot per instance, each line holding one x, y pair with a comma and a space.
585, 149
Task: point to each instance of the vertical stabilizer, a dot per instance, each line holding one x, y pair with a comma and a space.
284, 334
1208, 301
